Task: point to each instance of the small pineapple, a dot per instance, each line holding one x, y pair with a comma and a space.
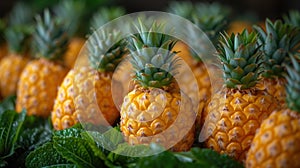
155, 110
37, 87
17, 34
237, 110
11, 66
68, 108
276, 143
276, 41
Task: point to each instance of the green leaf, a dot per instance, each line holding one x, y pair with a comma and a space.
62, 166
76, 150
10, 126
45, 155
71, 132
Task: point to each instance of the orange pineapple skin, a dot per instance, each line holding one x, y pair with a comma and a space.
75, 101
276, 143
72, 52
275, 87
233, 117
11, 67
37, 87
147, 116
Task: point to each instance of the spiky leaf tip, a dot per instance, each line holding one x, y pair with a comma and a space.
212, 18
70, 14
184, 9
241, 59
151, 54
277, 41
50, 38
21, 14
292, 18
104, 15
293, 84
106, 50
18, 38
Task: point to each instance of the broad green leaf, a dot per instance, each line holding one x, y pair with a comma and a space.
10, 127
45, 155
77, 151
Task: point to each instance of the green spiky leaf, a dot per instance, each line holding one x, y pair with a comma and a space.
240, 57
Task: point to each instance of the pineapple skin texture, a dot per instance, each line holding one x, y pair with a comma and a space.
147, 117
11, 68
75, 101
275, 87
72, 52
233, 117
276, 144
37, 87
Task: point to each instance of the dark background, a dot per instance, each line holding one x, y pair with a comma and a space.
258, 8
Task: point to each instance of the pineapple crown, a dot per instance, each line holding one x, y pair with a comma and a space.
18, 38
183, 9
151, 56
21, 14
50, 37
70, 13
211, 18
293, 18
104, 15
277, 41
240, 57
293, 85
102, 59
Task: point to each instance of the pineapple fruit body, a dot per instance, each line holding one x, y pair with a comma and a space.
155, 115
275, 87
11, 67
276, 143
233, 117
84, 95
37, 87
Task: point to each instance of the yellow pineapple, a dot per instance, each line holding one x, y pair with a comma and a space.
237, 110
37, 87
12, 65
155, 110
73, 105
276, 143
276, 41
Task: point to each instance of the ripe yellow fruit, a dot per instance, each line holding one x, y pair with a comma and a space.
82, 93
275, 87
276, 143
146, 114
233, 117
11, 68
37, 87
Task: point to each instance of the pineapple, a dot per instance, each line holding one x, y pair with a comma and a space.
71, 12
68, 108
37, 87
237, 110
17, 38
151, 111
277, 41
276, 143
17, 35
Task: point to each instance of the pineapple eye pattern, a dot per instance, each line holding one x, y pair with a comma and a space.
132, 84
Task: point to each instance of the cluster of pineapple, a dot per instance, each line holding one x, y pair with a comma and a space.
254, 117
